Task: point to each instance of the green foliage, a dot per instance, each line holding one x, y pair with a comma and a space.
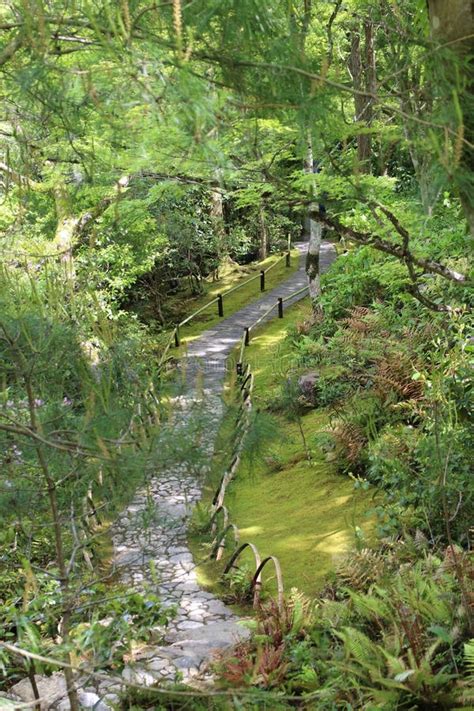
395, 641
63, 460
399, 387
238, 583
141, 148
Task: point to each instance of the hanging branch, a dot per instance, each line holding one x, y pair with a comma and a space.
401, 252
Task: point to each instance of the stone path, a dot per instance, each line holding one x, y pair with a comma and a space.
203, 624
213, 346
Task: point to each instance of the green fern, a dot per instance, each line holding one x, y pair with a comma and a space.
469, 659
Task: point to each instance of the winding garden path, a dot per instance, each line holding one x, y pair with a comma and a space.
203, 624
149, 537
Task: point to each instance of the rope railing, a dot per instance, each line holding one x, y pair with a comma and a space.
175, 336
203, 308
245, 340
218, 545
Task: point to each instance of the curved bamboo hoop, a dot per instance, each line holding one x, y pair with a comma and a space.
220, 493
257, 581
213, 520
219, 543
234, 466
237, 553
246, 367
244, 380
257, 578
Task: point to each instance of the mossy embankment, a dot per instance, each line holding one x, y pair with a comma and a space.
286, 498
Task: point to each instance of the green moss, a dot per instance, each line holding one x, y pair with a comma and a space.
303, 512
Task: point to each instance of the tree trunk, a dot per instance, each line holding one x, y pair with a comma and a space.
66, 594
66, 227
453, 23
370, 84
363, 80
263, 250
360, 101
314, 246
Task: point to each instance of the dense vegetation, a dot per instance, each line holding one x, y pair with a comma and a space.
150, 155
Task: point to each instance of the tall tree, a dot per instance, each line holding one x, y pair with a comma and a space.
452, 27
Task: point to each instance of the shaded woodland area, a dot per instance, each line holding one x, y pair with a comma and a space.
158, 157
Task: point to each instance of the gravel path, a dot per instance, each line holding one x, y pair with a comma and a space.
203, 624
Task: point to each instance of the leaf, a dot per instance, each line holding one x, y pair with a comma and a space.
442, 633
403, 676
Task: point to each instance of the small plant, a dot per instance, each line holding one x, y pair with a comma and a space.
200, 522
238, 583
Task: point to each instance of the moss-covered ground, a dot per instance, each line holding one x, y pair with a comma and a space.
299, 510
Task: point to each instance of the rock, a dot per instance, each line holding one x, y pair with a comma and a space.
134, 675
87, 700
50, 688
90, 700
214, 637
189, 625
185, 663
307, 384
216, 607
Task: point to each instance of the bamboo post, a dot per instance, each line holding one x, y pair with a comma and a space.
262, 280
247, 335
177, 341
220, 305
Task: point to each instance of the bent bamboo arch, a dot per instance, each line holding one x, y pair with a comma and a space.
219, 542
236, 554
257, 582
213, 521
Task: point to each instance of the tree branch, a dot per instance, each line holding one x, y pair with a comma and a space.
401, 252
11, 48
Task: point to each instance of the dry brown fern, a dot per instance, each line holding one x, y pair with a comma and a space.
360, 569
304, 327
349, 439
362, 320
394, 372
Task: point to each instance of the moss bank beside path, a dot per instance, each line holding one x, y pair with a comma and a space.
304, 513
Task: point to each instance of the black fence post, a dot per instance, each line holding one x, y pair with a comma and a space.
220, 305
280, 307
247, 336
239, 368
288, 259
177, 342
262, 280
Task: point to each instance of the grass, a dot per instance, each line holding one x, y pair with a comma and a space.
238, 298
303, 512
